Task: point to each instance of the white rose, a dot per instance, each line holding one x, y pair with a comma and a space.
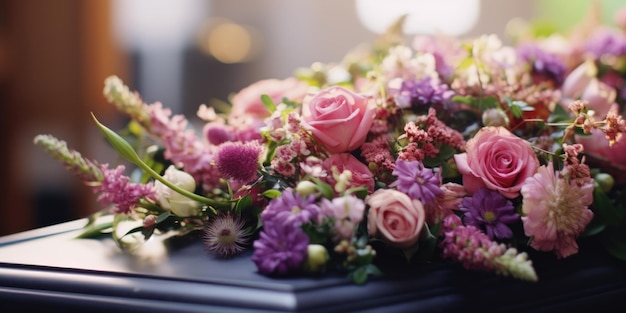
174, 201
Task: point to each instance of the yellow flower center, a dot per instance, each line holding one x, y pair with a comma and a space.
489, 216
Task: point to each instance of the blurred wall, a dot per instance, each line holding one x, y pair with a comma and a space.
54, 56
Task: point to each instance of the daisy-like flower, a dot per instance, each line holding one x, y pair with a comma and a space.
238, 161
291, 208
225, 236
489, 210
417, 181
555, 211
281, 248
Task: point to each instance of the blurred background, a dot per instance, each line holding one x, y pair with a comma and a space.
55, 55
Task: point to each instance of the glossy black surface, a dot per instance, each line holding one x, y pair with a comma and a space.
48, 270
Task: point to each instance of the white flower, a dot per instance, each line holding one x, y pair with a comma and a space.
174, 201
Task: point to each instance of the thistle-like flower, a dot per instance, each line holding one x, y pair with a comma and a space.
226, 236
238, 161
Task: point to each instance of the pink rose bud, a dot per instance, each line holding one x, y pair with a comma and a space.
600, 97
578, 79
495, 117
338, 118
395, 217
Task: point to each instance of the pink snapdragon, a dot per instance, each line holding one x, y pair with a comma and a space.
117, 190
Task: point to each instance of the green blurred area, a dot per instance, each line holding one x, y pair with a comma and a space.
562, 15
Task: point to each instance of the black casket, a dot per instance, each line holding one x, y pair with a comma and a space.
49, 270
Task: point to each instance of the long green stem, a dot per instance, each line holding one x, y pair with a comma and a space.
126, 151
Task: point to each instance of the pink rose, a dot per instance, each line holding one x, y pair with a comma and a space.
361, 174
248, 109
338, 118
395, 217
498, 160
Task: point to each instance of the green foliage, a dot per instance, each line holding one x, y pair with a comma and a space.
268, 103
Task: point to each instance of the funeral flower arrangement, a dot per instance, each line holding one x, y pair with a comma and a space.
434, 149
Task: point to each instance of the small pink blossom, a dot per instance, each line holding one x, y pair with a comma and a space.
361, 176
116, 189
347, 213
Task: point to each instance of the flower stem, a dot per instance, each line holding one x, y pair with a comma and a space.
126, 151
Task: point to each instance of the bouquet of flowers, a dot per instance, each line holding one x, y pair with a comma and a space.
434, 150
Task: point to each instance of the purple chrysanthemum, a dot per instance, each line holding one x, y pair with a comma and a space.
606, 42
225, 236
238, 161
291, 208
491, 211
544, 63
423, 92
116, 188
281, 247
417, 181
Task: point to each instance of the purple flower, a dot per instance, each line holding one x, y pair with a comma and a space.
238, 161
417, 181
544, 64
291, 208
605, 41
422, 92
490, 210
281, 247
116, 189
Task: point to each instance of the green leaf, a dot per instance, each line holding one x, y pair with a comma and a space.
271, 193
268, 103
559, 115
359, 275
243, 203
462, 99
95, 230
594, 227
517, 112
615, 242
325, 189
163, 217
121, 146
603, 206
